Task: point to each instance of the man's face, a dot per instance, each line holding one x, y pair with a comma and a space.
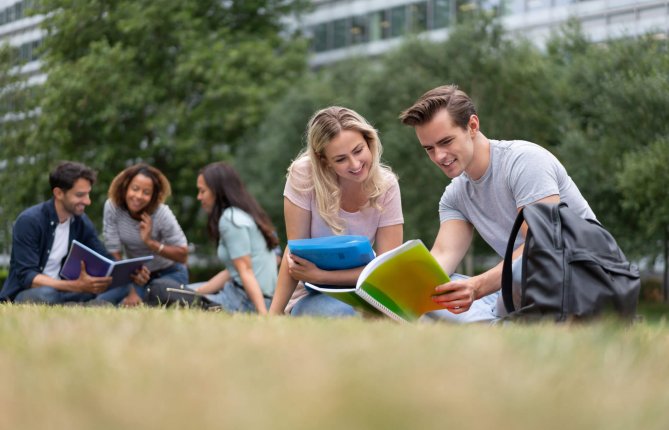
74, 200
450, 147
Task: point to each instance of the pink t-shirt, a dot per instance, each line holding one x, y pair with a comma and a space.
365, 222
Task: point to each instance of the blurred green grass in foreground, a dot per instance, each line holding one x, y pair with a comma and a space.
100, 368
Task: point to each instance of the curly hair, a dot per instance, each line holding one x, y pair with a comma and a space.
119, 186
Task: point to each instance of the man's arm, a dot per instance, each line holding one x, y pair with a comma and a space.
458, 296
84, 284
452, 243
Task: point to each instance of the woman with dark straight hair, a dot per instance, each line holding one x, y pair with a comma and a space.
246, 238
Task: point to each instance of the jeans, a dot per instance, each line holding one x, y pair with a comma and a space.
178, 272
232, 298
486, 309
321, 305
50, 296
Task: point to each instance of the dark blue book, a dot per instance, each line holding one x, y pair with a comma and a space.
334, 252
99, 265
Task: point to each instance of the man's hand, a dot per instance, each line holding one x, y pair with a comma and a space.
91, 284
456, 296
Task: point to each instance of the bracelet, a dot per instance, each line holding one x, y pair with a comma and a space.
160, 248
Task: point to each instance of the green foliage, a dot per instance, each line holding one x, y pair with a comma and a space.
643, 183
173, 83
613, 94
17, 151
590, 104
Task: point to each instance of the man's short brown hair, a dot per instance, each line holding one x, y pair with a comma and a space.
449, 97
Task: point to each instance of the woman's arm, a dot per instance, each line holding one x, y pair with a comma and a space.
389, 237
298, 226
244, 267
215, 284
178, 253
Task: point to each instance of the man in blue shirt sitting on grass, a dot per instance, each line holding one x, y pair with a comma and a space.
41, 239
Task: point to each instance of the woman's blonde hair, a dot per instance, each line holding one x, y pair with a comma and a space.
324, 126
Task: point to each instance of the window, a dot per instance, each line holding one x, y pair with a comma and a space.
398, 21
359, 30
441, 13
339, 33
319, 41
418, 17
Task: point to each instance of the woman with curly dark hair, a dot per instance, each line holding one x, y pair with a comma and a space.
137, 222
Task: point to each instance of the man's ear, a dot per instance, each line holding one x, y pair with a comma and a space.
58, 193
474, 124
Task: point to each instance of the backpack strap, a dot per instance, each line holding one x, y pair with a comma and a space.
507, 276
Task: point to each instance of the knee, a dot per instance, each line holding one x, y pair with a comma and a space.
47, 295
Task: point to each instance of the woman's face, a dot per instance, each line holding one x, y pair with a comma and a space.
349, 156
205, 195
139, 193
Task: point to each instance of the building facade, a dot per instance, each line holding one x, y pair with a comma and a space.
21, 31
341, 28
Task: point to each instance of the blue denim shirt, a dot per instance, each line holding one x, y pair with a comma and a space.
32, 239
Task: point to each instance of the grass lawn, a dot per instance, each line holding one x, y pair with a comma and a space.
100, 368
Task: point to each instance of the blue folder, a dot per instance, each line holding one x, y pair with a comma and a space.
334, 252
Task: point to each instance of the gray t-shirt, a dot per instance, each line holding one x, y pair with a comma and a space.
121, 233
519, 173
241, 236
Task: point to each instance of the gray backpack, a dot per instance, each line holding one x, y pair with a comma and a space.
572, 268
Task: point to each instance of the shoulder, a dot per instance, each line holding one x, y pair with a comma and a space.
300, 172
236, 216
110, 207
35, 216
163, 211
519, 149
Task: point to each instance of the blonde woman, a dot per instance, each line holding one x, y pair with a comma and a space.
337, 185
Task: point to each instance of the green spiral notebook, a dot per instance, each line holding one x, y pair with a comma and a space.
399, 283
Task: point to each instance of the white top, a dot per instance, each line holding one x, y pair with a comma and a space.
58, 249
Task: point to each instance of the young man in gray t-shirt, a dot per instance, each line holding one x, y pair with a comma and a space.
491, 181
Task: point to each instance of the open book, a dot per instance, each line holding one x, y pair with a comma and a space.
99, 265
399, 283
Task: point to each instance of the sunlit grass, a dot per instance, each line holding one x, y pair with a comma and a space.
99, 368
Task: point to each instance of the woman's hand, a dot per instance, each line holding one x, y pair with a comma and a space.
304, 270
141, 276
145, 228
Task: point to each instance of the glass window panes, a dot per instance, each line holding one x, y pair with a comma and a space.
359, 29
376, 20
418, 17
319, 41
398, 21
441, 13
339, 33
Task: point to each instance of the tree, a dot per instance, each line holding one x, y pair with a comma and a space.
17, 152
613, 96
174, 83
643, 182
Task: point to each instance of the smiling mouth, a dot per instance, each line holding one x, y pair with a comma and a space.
357, 171
448, 163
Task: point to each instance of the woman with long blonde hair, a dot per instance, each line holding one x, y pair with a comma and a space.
337, 185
